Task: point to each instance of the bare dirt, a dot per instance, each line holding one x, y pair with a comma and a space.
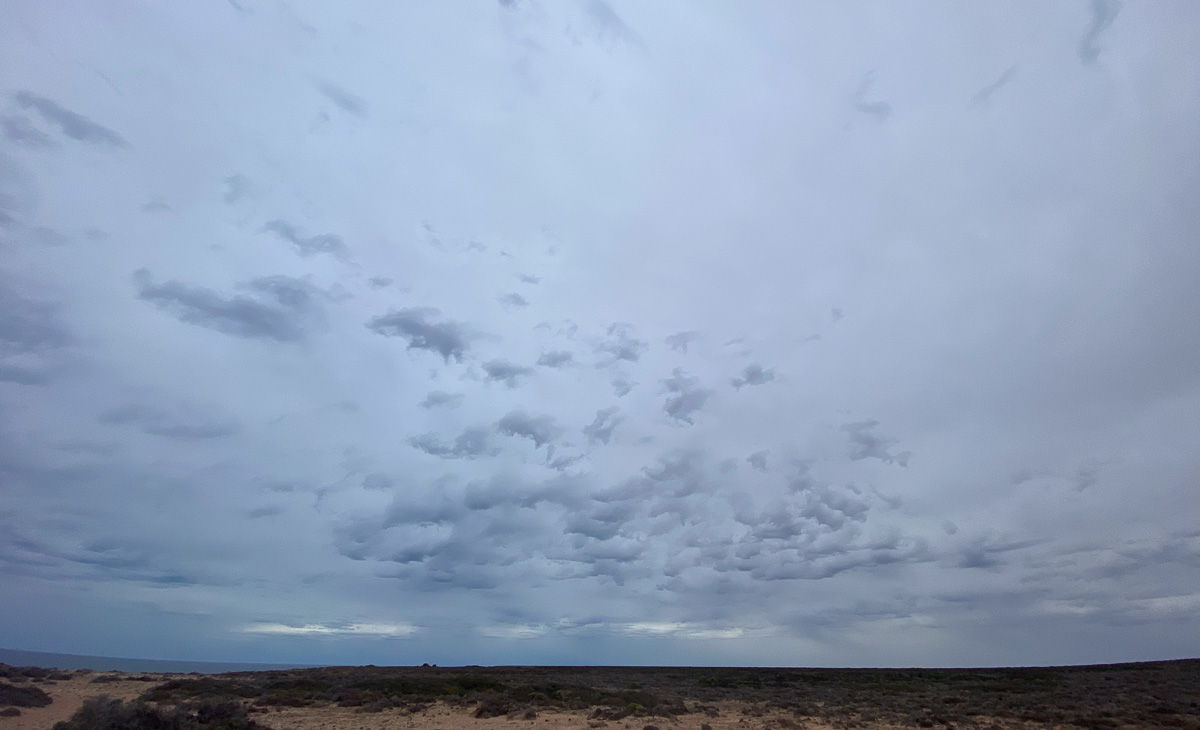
67, 695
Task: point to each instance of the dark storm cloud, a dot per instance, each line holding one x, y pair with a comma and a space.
879, 109
380, 282
417, 325
758, 460
19, 130
469, 444
346, 101
1104, 12
503, 371
602, 426
512, 301
556, 359
984, 95
753, 374
442, 399
680, 340
529, 278
621, 345
76, 126
182, 426
281, 308
329, 243
541, 430
687, 397
866, 444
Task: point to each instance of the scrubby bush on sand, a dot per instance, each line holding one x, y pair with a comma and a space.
102, 713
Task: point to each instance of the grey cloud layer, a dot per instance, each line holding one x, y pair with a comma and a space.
279, 308
595, 341
447, 338
74, 125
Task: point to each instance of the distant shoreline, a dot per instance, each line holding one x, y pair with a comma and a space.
21, 658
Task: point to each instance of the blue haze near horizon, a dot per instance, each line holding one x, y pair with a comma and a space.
18, 658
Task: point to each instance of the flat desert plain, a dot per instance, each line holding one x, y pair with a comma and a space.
1107, 697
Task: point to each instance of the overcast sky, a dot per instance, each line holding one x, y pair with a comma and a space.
601, 331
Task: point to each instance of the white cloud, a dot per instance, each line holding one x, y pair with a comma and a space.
399, 630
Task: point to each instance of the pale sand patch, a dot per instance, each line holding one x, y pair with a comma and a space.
69, 694
443, 717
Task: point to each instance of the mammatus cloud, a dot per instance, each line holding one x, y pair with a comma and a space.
278, 308
307, 246
503, 371
541, 430
442, 399
680, 340
471, 443
1104, 12
753, 374
602, 426
344, 100
556, 359
418, 327
76, 126
866, 444
687, 397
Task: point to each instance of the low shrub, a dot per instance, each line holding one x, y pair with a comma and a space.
102, 713
14, 696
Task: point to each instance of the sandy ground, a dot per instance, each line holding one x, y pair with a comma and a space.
68, 695
441, 717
